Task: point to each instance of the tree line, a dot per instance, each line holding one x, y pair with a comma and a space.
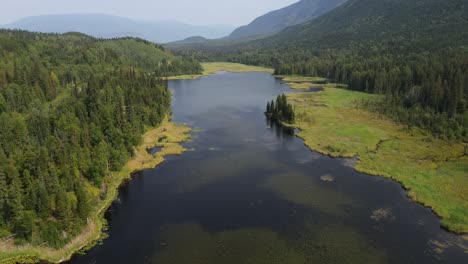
423, 87
417, 57
427, 90
72, 108
280, 110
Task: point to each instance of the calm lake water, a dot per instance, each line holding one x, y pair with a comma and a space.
250, 192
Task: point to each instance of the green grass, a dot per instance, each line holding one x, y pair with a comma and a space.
434, 171
210, 68
213, 67
302, 82
300, 79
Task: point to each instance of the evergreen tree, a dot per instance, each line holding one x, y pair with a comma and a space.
72, 109
280, 111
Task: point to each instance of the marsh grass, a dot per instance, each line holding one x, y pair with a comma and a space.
434, 171
210, 68
302, 82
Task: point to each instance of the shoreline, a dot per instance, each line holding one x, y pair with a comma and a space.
210, 68
364, 162
167, 135
92, 233
407, 189
331, 124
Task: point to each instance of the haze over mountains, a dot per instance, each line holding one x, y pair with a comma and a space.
107, 26
294, 14
393, 22
272, 23
396, 23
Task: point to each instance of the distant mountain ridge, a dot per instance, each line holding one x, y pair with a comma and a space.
294, 14
108, 26
429, 22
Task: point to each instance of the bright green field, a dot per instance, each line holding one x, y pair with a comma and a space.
301, 82
214, 67
434, 171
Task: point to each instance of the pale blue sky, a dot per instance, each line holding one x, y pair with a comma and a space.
200, 12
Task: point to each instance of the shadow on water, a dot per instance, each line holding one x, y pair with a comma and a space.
282, 132
251, 192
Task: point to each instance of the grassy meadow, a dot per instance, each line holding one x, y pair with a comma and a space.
435, 171
210, 68
301, 82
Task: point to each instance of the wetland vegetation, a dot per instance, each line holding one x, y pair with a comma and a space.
337, 122
210, 68
380, 89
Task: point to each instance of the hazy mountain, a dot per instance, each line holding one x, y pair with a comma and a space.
396, 22
278, 20
106, 26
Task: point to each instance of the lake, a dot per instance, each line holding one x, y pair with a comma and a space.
251, 192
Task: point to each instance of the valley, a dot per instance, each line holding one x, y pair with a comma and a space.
325, 131
250, 191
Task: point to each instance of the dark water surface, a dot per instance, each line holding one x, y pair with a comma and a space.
250, 192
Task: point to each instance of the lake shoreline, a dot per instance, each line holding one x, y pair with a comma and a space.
368, 152
304, 84
247, 172
142, 161
210, 68
168, 136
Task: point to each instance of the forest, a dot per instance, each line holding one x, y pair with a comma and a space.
413, 52
427, 90
421, 89
72, 108
280, 110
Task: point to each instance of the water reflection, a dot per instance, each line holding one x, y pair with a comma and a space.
282, 132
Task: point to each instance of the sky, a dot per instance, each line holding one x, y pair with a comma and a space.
197, 12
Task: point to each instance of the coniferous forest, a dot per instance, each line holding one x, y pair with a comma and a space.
74, 107
280, 110
71, 110
409, 51
422, 89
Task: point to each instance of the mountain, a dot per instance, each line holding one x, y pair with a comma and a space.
190, 40
107, 26
278, 20
413, 51
428, 22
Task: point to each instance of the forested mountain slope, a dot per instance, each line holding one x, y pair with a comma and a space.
294, 14
414, 51
430, 23
71, 110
